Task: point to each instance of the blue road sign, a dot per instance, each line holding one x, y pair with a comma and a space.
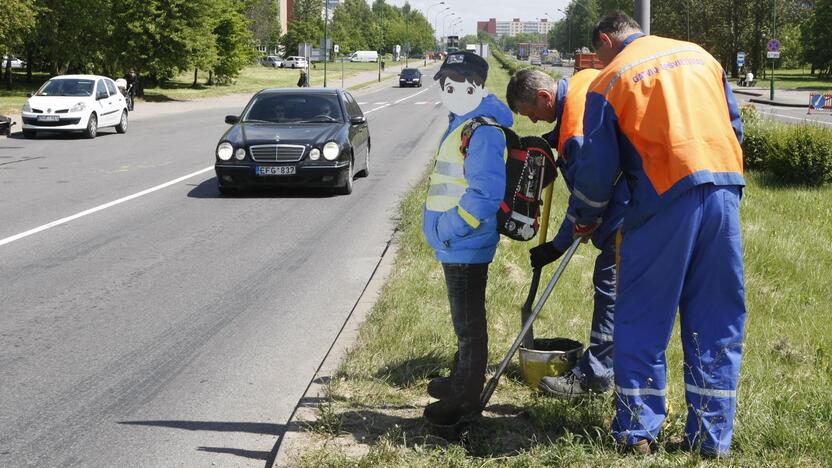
818, 101
740, 58
773, 45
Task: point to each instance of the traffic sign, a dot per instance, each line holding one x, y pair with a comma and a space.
774, 45
740, 58
818, 101
773, 55
336, 48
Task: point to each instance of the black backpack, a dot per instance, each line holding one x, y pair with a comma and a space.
529, 168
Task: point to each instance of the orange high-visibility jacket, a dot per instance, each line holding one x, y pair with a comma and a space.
662, 113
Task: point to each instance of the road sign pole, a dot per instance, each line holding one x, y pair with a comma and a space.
774, 30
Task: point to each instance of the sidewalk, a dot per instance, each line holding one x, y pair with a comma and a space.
782, 97
366, 81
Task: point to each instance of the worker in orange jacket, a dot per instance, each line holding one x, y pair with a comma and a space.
662, 116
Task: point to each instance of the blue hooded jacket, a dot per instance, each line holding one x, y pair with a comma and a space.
452, 238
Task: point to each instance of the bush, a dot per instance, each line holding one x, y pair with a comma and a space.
801, 154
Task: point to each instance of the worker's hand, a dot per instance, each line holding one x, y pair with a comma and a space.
584, 231
543, 255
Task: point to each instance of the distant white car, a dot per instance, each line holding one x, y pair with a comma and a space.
295, 61
16, 62
272, 61
73, 103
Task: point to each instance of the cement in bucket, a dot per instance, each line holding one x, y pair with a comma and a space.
550, 357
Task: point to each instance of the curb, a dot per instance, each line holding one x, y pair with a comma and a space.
778, 103
746, 92
291, 444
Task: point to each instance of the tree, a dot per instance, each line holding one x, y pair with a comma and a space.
234, 43
17, 18
264, 20
819, 53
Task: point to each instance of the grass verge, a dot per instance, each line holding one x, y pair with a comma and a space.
373, 416
798, 79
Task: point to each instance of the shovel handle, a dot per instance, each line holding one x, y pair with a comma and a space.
492, 384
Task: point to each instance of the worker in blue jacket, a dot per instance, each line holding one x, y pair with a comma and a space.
536, 95
662, 114
460, 223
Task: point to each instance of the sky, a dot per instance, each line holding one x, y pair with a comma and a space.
471, 11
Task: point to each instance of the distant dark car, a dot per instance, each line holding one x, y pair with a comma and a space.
410, 77
309, 137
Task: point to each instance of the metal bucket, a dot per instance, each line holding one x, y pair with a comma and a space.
550, 357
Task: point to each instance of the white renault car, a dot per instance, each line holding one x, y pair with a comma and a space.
72, 103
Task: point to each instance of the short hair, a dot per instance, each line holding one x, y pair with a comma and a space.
459, 77
615, 24
523, 87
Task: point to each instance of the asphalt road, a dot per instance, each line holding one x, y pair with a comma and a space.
176, 327
789, 115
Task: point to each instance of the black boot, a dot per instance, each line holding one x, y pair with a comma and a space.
440, 387
452, 411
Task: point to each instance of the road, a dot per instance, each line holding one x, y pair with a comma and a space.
788, 115
160, 324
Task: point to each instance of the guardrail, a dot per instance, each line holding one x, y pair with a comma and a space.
821, 102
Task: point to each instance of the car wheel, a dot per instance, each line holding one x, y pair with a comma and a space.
346, 189
30, 134
122, 124
92, 127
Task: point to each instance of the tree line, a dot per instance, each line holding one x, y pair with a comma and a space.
356, 25
723, 27
158, 38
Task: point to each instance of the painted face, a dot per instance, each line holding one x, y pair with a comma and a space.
461, 97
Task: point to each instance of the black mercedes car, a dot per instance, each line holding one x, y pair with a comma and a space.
410, 77
309, 137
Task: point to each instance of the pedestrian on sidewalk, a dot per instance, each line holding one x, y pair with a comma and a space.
132, 79
459, 221
662, 114
536, 95
303, 79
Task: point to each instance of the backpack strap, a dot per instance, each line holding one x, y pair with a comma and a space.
470, 126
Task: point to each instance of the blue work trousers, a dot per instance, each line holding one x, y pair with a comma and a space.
596, 364
687, 256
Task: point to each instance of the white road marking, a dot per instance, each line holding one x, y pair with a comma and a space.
414, 95
362, 103
98, 208
421, 103
795, 118
437, 103
380, 103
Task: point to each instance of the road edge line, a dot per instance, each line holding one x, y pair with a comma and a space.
290, 444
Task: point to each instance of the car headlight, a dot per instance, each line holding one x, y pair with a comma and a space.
225, 151
240, 154
315, 154
27, 107
416, 79
331, 151
78, 107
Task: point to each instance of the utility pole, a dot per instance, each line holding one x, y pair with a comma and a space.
381, 46
326, 39
642, 10
406, 38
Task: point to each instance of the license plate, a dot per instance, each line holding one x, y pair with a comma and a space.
49, 118
274, 170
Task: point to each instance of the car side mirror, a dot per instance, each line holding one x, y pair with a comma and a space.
232, 119
28, 95
358, 120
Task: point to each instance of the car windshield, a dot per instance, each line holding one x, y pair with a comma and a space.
67, 87
410, 71
294, 108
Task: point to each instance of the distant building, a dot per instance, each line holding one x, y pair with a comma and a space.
515, 26
489, 26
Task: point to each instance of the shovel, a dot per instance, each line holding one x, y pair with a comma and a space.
528, 342
527, 325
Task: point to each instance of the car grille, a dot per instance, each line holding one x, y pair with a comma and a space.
277, 153
60, 123
37, 111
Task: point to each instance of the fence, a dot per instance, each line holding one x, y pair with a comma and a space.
821, 102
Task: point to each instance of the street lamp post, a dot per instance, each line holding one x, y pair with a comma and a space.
427, 16
773, 36
326, 38
443, 12
381, 45
443, 25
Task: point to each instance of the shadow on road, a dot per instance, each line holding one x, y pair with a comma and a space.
276, 430
54, 135
208, 189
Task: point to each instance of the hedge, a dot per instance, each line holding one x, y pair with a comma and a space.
791, 153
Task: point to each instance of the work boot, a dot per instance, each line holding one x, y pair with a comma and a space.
565, 387
440, 388
450, 412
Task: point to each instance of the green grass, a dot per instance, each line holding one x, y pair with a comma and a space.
798, 79
784, 417
251, 79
